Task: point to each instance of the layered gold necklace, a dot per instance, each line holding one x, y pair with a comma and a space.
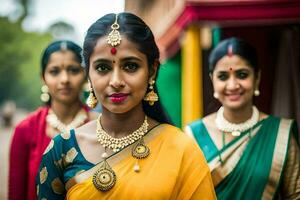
105, 178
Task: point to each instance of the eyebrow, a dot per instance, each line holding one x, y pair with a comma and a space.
237, 70
101, 60
131, 58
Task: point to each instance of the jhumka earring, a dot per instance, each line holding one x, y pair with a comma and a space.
91, 101
256, 92
151, 96
45, 96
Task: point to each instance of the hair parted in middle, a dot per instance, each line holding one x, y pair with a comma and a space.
135, 30
234, 46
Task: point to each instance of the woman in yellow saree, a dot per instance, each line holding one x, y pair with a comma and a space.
251, 155
131, 151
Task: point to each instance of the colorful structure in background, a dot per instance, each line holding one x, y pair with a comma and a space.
189, 30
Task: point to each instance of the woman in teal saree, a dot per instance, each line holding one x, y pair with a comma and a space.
251, 155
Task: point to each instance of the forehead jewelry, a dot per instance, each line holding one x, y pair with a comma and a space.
230, 51
63, 46
114, 37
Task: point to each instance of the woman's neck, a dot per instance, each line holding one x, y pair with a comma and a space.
238, 115
122, 124
66, 112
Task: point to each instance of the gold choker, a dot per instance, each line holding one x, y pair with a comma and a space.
116, 144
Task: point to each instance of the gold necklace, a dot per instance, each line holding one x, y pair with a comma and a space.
116, 144
78, 120
105, 177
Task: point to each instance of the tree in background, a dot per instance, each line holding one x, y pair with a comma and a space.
20, 56
20, 64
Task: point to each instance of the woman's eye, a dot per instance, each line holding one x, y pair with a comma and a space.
242, 75
54, 72
223, 76
74, 70
103, 68
130, 67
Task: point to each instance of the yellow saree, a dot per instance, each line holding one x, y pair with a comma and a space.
175, 169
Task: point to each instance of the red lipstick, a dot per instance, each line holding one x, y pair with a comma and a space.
118, 97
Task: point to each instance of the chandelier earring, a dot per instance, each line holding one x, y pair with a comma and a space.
45, 96
151, 96
91, 100
256, 92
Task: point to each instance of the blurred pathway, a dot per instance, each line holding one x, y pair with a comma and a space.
5, 138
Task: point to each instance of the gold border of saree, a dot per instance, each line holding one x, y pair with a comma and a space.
279, 155
230, 158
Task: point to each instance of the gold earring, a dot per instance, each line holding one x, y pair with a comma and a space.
151, 96
45, 96
91, 101
256, 92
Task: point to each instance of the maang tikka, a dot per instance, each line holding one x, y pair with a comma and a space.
114, 37
151, 96
230, 50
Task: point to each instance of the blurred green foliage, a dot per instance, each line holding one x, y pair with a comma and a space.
20, 64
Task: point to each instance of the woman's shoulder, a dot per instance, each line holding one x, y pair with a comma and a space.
182, 144
175, 135
205, 120
34, 117
62, 142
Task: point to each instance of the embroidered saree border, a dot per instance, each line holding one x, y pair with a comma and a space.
230, 158
279, 157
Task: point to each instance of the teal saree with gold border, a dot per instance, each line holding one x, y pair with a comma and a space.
250, 166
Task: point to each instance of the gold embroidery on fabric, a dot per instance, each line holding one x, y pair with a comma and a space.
57, 186
43, 175
71, 154
49, 147
66, 135
66, 159
59, 164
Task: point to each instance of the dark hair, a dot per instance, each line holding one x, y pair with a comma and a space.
136, 31
59, 46
239, 47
